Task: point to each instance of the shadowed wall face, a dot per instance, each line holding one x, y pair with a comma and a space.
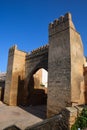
65, 65
15, 76
59, 66
35, 61
62, 58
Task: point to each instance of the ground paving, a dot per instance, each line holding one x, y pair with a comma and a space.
20, 116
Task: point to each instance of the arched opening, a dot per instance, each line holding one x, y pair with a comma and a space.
37, 88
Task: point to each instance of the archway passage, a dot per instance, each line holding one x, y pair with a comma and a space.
37, 88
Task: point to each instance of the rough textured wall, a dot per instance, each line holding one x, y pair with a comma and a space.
57, 122
36, 60
77, 61
62, 121
9, 76
65, 65
15, 76
59, 66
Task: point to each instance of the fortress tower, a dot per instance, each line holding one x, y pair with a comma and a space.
15, 76
63, 58
65, 65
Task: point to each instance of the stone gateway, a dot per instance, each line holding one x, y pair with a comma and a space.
62, 57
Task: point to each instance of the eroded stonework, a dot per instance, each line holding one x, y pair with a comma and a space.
63, 58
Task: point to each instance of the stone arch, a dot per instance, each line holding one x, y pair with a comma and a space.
33, 64
32, 92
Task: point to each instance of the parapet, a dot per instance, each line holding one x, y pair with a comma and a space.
37, 51
60, 24
12, 49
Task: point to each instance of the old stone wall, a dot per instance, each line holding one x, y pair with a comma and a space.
51, 124
65, 65
62, 121
62, 58
59, 69
77, 62
36, 60
15, 76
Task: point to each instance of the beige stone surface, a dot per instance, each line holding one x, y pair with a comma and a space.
36, 60
15, 76
77, 61
65, 63
59, 70
11, 115
63, 59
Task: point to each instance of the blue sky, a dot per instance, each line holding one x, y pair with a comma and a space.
25, 23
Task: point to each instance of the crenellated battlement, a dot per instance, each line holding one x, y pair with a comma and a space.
61, 19
12, 49
37, 51
63, 58
61, 24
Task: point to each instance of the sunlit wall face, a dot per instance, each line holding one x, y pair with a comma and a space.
41, 78
44, 77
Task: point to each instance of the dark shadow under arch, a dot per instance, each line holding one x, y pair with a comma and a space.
36, 96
